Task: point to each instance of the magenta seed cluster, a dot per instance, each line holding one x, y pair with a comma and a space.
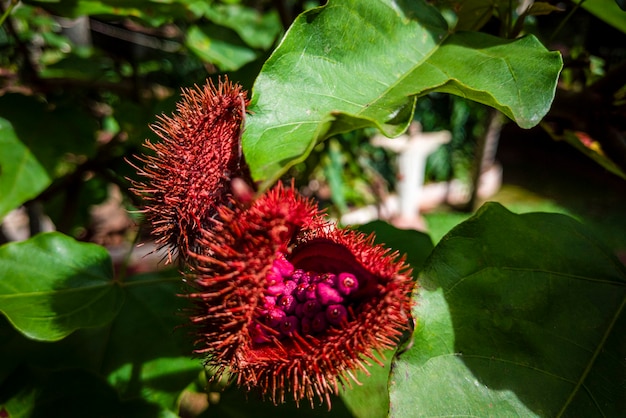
299, 301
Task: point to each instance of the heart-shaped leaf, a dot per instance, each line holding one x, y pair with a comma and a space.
519, 315
357, 63
52, 285
142, 351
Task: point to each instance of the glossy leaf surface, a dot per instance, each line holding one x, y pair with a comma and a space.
52, 285
397, 51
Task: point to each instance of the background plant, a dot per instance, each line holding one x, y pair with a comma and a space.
517, 314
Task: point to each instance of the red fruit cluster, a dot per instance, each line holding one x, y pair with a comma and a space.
302, 301
246, 322
283, 300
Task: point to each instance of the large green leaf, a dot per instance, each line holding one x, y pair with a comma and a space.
519, 315
357, 63
52, 285
143, 353
415, 245
22, 177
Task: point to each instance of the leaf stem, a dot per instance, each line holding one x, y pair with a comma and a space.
8, 11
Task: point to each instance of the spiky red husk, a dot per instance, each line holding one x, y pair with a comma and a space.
189, 172
229, 280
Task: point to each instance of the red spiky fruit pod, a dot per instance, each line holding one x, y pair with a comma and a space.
189, 172
286, 302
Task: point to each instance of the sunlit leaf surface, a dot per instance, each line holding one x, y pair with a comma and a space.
352, 64
52, 285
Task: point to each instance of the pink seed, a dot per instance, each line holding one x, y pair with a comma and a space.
336, 314
300, 276
287, 303
300, 292
276, 289
282, 266
328, 295
347, 283
328, 278
310, 292
274, 317
269, 301
290, 287
273, 278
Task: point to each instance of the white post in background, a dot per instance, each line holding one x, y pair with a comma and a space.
413, 149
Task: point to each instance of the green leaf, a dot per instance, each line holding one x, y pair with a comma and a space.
89, 68
588, 146
370, 399
317, 83
50, 130
519, 315
52, 285
22, 177
220, 46
148, 353
540, 8
256, 29
143, 353
154, 12
608, 11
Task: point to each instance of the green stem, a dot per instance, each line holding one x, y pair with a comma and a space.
8, 11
